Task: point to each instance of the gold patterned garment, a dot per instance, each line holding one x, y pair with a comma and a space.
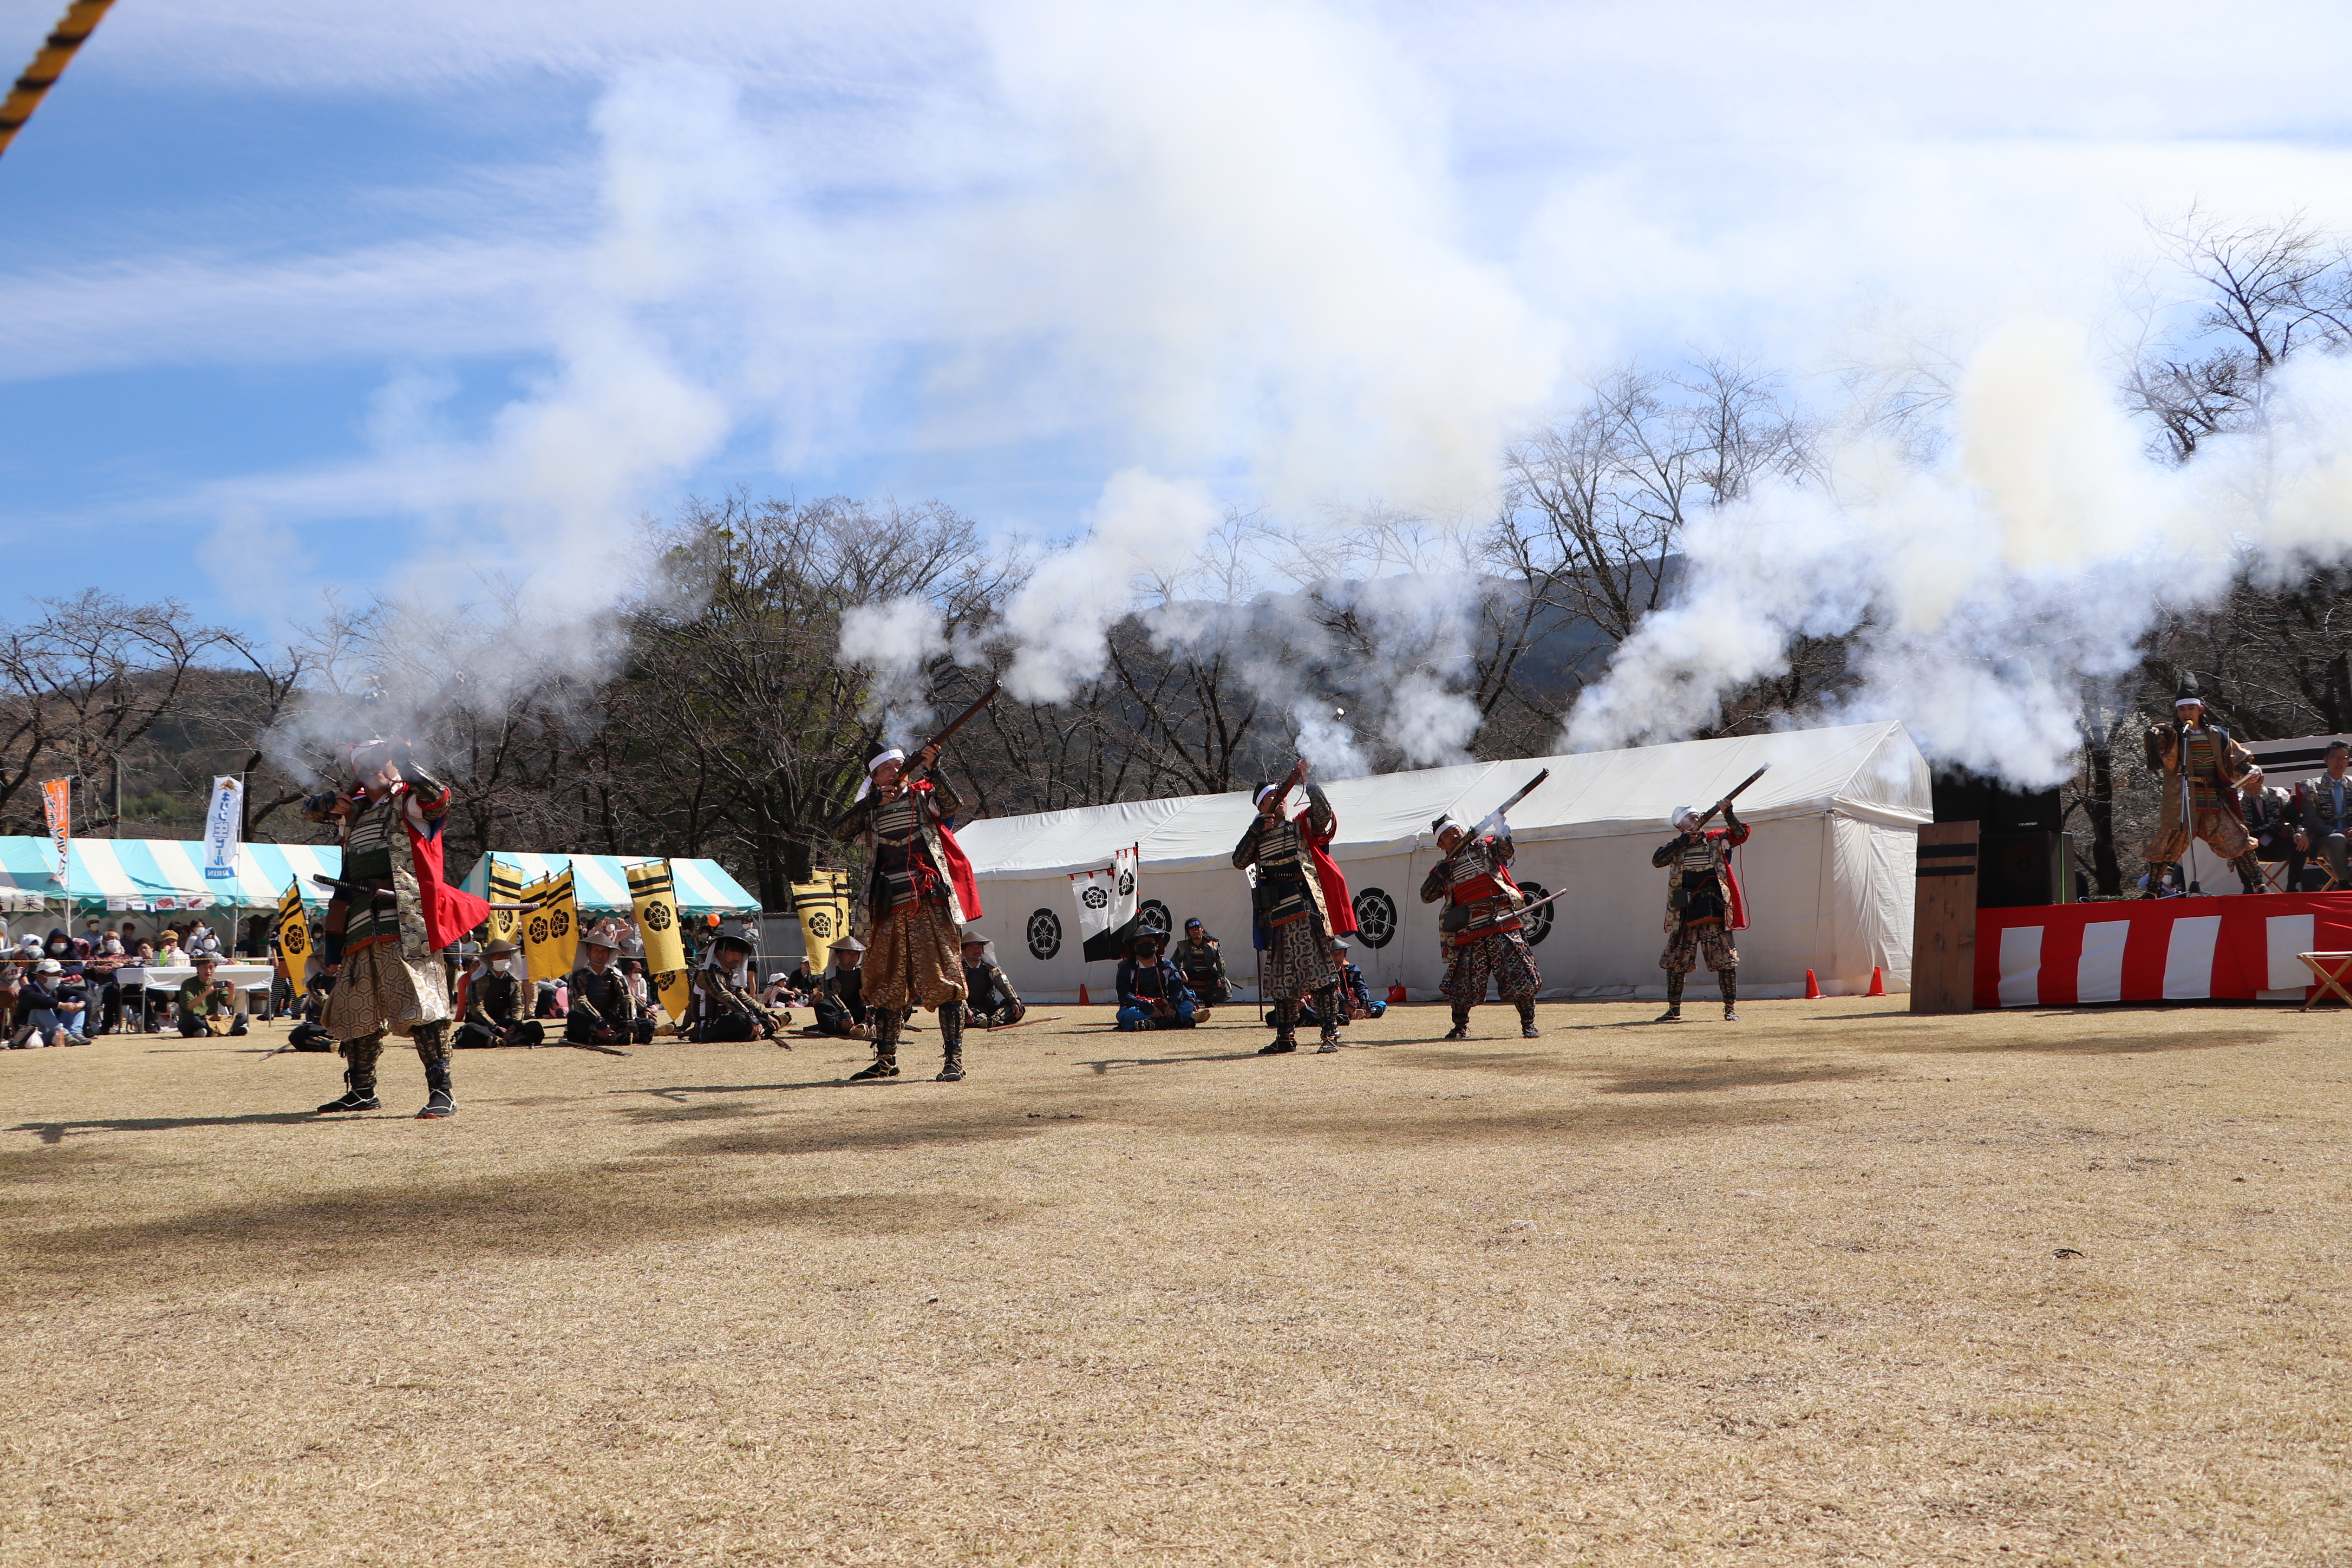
913, 956
380, 989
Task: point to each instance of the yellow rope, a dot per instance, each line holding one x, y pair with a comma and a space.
73, 29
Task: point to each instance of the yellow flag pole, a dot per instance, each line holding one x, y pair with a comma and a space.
50, 62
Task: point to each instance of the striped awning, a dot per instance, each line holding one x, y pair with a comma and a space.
601, 882
122, 873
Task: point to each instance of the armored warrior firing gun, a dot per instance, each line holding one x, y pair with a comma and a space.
1482, 917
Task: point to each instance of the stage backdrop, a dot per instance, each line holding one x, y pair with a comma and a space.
1829, 871
2157, 949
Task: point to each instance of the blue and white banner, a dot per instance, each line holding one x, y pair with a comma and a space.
224, 826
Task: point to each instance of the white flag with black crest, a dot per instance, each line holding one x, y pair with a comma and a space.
1107, 905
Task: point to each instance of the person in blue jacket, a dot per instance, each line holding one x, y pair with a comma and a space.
1152, 994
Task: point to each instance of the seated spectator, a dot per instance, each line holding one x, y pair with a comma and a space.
2322, 810
103, 969
43, 1013
1356, 999
61, 947
208, 1006
168, 956
1202, 961
990, 1001
1152, 994
202, 941
131, 982
840, 1000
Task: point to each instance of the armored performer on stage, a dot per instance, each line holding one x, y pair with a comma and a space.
1482, 919
1704, 905
392, 915
2203, 768
921, 894
1299, 903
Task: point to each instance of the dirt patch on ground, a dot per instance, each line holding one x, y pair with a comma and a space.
1833, 1283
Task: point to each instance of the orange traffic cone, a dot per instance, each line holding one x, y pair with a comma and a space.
1081, 995
1813, 987
1877, 983
1396, 994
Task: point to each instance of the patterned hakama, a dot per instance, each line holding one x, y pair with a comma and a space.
1504, 957
1298, 960
379, 989
913, 954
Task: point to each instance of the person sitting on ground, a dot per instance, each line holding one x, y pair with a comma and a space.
605, 1012
308, 1034
1152, 994
41, 1017
1202, 961
840, 1001
803, 983
724, 1008
494, 1005
989, 1002
102, 970
1355, 993
208, 1006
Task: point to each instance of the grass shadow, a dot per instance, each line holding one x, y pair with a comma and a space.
1708, 1078
56, 1131
1103, 1065
2087, 1045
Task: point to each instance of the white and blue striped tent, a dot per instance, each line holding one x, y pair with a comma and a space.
127, 873
600, 883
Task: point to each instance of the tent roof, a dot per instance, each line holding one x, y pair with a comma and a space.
144, 870
600, 883
1868, 771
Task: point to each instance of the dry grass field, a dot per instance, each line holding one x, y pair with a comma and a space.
1831, 1285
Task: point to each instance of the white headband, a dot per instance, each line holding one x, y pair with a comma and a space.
1445, 822
866, 785
1263, 790
2188, 702
1681, 814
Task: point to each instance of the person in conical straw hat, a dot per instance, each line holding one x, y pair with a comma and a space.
496, 1009
2203, 768
989, 999
605, 1010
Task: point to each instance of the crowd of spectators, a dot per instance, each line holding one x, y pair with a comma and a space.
65, 988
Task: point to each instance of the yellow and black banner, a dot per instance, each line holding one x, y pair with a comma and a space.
551, 930
505, 883
653, 895
675, 989
822, 906
293, 936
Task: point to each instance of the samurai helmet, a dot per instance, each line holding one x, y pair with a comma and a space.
2186, 692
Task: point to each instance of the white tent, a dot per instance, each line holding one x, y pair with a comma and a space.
1828, 874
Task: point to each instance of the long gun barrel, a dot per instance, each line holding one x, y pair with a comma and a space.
1709, 815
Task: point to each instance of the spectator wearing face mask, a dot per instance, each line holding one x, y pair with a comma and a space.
46, 1013
103, 970
131, 982
61, 947
202, 941
495, 1014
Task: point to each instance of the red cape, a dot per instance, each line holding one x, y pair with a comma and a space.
958, 866
1731, 878
449, 912
1335, 901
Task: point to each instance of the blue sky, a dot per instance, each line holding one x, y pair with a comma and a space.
298, 298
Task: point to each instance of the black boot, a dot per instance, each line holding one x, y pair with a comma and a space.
432, 1041
1326, 1008
1673, 1013
886, 1047
1728, 979
1286, 1028
1528, 1030
950, 1043
1461, 1031
359, 1075
2250, 872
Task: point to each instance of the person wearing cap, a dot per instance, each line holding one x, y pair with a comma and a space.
1201, 961
1152, 994
990, 1000
604, 1011
1298, 903
494, 1002
1704, 905
724, 1008
206, 1005
840, 1000
1481, 920
918, 897
2203, 768
44, 1012
391, 917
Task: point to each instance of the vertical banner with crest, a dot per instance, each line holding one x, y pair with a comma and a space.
293, 936
653, 899
675, 989
552, 929
56, 799
504, 884
822, 906
1109, 905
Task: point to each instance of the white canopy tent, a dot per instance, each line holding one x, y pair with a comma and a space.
1828, 874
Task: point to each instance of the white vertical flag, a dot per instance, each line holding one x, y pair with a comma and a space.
224, 826
1108, 902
